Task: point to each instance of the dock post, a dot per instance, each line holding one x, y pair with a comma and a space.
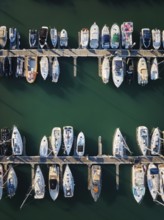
75, 66
99, 146
32, 175
99, 66
117, 176
89, 177
61, 175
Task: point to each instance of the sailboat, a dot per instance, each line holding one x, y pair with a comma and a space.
142, 72
115, 36
117, 71
127, 29
39, 184
84, 38
63, 38
55, 70
44, 67
105, 70
54, 36
3, 36
16, 142
153, 180
33, 38
96, 181
68, 136
68, 183
1, 181
155, 143
53, 183
154, 72
142, 135
31, 67
156, 38
43, 151
94, 36
12, 182
105, 37
56, 139
161, 180
80, 145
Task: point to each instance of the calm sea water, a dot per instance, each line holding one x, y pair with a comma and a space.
83, 102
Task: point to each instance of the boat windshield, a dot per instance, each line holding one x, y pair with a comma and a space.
116, 38
53, 184
118, 66
105, 38
154, 171
80, 148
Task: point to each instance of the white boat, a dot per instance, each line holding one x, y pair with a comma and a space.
105, 37
117, 71
138, 182
54, 36
155, 143
3, 36
115, 36
56, 139
44, 67
63, 38
53, 183
68, 136
80, 145
94, 36
68, 183
16, 142
146, 37
12, 182
39, 184
156, 38
96, 181
142, 135
1, 181
161, 180
163, 38
127, 29
105, 70
84, 38
142, 71
154, 72
55, 70
153, 180
43, 151
119, 144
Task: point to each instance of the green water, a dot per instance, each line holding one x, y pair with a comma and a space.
83, 102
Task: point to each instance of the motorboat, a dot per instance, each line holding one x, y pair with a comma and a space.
94, 36
13, 37
16, 142
68, 183
105, 70
153, 180
155, 143
138, 182
43, 151
31, 67
156, 38
115, 36
143, 140
130, 70
12, 182
105, 37
44, 67
63, 38
20, 67
154, 72
84, 38
1, 181
39, 184
68, 136
96, 181
53, 183
54, 36
80, 145
56, 140
33, 38
142, 72
127, 30
161, 180
146, 37
7, 66
43, 35
117, 71
3, 36
55, 70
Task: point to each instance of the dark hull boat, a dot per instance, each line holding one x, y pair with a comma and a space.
13, 38
33, 36
146, 37
5, 147
130, 70
43, 35
7, 66
20, 67
1, 66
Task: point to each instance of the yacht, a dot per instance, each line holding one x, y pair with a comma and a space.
94, 36
56, 140
105, 37
63, 38
20, 67
142, 72
68, 136
43, 35
138, 182
154, 73
115, 36
96, 181
130, 70
68, 183
55, 70
3, 36
155, 143
13, 38
80, 145
12, 182
143, 140
161, 180
153, 180
146, 37
39, 184
156, 38
1, 181
54, 36
53, 183
117, 71
127, 30
43, 151
16, 142
84, 38
105, 70
31, 67
44, 67
33, 38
